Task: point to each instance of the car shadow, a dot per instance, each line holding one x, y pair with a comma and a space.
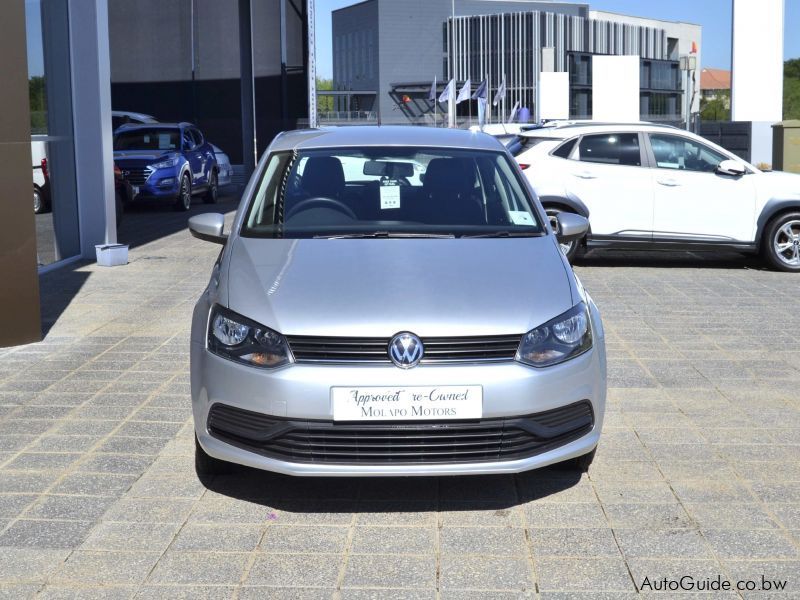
145, 221
667, 259
390, 494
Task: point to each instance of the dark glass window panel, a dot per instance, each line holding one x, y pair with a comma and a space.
611, 149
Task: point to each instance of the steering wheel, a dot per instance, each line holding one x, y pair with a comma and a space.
320, 202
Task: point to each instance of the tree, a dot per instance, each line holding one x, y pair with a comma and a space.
791, 89
38, 103
324, 103
717, 108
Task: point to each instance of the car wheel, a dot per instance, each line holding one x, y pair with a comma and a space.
38, 201
582, 463
781, 246
206, 465
570, 249
213, 189
184, 201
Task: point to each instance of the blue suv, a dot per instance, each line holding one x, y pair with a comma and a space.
167, 161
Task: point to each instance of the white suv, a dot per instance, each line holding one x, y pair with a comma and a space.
651, 186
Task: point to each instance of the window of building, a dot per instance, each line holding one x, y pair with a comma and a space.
678, 152
580, 104
580, 69
610, 149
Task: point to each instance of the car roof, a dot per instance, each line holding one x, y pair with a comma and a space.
128, 126
384, 135
134, 115
567, 129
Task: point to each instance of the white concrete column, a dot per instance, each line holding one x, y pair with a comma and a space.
757, 65
91, 101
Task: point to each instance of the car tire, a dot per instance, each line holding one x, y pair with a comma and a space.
184, 200
571, 250
783, 232
206, 465
39, 205
582, 463
212, 192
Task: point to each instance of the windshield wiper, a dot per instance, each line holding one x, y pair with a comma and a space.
385, 234
504, 234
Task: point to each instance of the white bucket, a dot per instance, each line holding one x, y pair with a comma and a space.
112, 255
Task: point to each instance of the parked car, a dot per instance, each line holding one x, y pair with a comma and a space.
224, 168
506, 133
225, 171
122, 193
124, 117
170, 161
645, 186
41, 177
373, 328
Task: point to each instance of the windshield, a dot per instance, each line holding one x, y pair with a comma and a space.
373, 192
148, 139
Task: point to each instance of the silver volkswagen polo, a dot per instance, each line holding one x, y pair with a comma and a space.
393, 301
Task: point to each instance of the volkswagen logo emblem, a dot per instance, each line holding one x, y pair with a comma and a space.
405, 350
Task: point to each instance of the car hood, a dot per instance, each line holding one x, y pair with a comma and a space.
779, 185
147, 155
376, 288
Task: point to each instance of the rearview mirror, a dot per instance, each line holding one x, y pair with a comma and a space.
374, 168
393, 170
208, 227
571, 227
731, 167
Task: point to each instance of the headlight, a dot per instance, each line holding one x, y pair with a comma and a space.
237, 338
167, 164
564, 337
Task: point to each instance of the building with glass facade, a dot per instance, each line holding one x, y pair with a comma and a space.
499, 41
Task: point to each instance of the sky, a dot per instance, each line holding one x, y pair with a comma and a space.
713, 15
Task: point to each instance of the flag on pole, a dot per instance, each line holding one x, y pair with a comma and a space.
514, 110
501, 92
448, 91
432, 94
482, 96
482, 91
464, 93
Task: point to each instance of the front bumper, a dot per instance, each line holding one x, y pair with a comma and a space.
155, 190
301, 392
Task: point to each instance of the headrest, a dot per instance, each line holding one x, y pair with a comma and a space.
323, 176
449, 174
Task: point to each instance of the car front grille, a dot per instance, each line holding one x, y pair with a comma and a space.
136, 175
311, 349
400, 442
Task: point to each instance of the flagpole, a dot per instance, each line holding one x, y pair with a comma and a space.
489, 100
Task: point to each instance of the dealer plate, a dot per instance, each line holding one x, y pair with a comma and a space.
407, 403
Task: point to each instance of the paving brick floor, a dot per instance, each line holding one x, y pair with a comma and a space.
697, 472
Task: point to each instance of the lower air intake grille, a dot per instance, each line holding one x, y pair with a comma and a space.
400, 442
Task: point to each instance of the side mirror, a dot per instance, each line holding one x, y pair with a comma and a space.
731, 167
208, 227
571, 227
